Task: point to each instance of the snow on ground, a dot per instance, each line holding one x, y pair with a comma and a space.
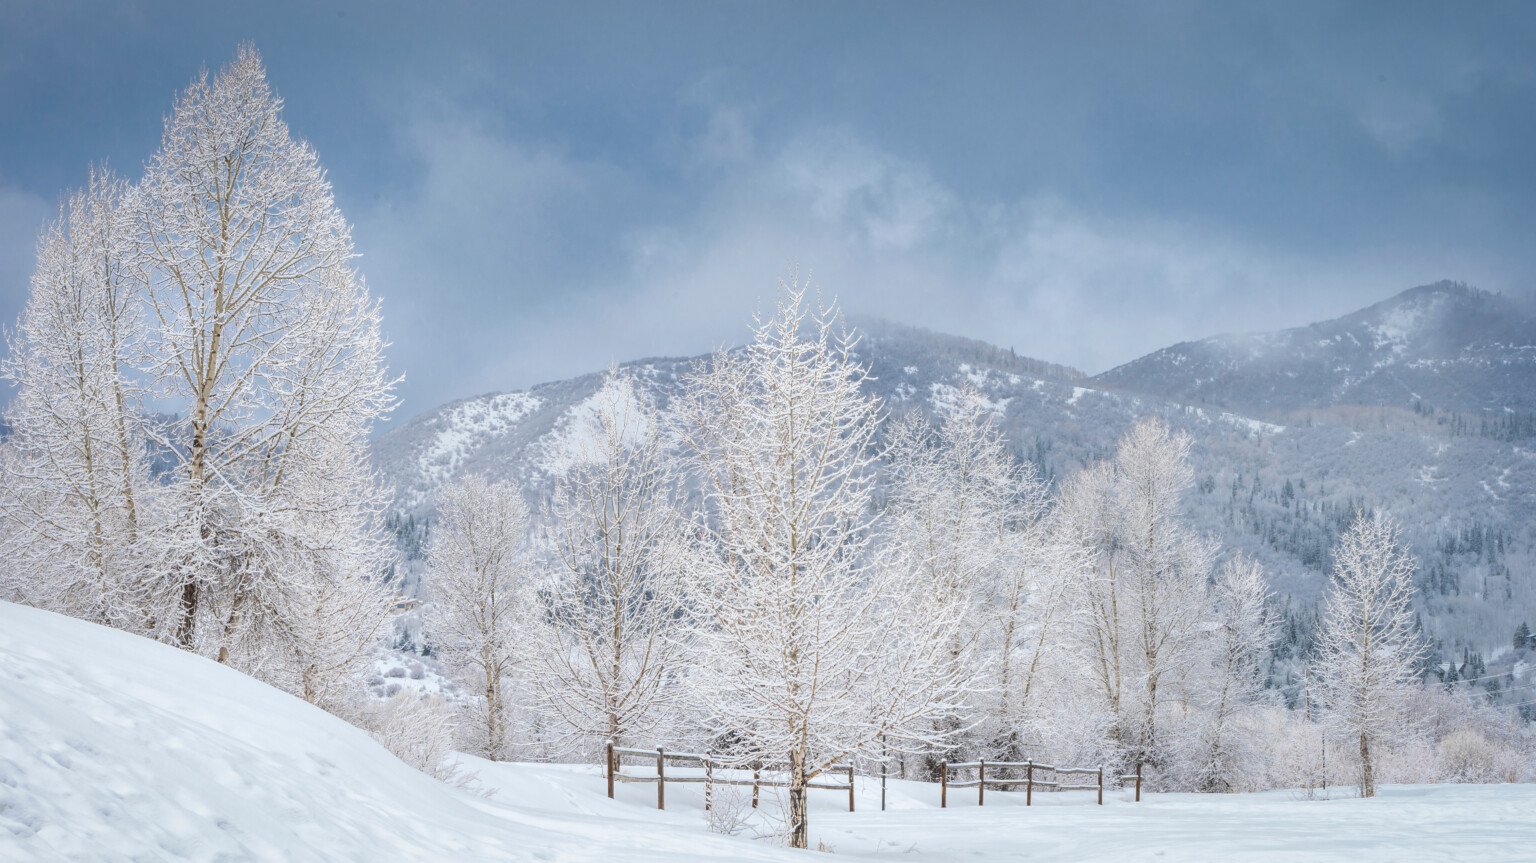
396, 671
116, 748
1483, 823
946, 400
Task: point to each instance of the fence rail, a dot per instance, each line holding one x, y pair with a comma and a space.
1030, 783
1034, 776
614, 769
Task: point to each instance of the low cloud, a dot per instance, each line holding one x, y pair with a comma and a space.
510, 262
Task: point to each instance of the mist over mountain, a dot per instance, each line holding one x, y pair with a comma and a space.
1418, 405
1446, 345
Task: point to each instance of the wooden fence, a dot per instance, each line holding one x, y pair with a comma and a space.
661, 758
1046, 777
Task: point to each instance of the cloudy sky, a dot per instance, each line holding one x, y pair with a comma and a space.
541, 190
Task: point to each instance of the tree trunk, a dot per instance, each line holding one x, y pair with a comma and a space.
799, 826
184, 629
493, 729
1367, 775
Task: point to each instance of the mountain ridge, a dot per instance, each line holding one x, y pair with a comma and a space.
1444, 345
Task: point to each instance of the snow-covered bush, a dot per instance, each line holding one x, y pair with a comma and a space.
730, 811
418, 729
1411, 761
1468, 755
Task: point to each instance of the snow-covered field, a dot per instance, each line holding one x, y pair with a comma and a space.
116, 748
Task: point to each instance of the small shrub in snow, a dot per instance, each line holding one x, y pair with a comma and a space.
418, 730
1468, 755
729, 813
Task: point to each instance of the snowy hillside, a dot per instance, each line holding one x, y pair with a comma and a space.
525, 435
113, 747
1443, 345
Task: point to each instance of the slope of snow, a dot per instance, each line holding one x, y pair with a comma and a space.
113, 747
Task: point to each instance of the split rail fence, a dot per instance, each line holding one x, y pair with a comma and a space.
1046, 777
1050, 779
763, 775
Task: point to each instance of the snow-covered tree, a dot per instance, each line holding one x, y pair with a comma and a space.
1140, 605
1368, 649
1242, 638
1038, 701
266, 346
810, 648
613, 599
477, 616
77, 473
967, 517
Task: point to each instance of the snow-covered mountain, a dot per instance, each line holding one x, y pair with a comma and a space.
1279, 488
1445, 345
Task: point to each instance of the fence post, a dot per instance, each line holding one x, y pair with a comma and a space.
1029, 782
981, 783
709, 781
756, 770
661, 779
1101, 785
1138, 782
609, 764
944, 785
850, 785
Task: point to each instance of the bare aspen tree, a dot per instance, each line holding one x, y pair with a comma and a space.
612, 599
1030, 604
809, 649
1243, 635
77, 475
476, 617
1368, 651
1141, 602
267, 342
962, 513
1089, 520
1167, 563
